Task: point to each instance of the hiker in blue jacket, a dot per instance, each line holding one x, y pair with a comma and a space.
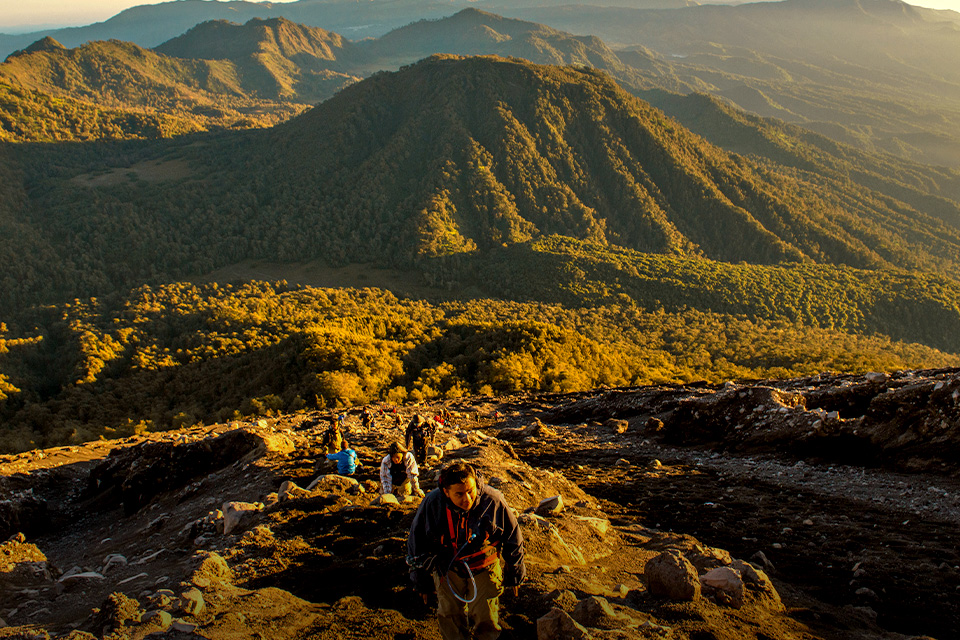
347, 459
466, 545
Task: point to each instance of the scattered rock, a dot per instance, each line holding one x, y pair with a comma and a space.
566, 600
213, 569
333, 483
191, 602
761, 558
113, 560
117, 610
550, 506
385, 499
617, 426
706, 558
182, 626
726, 585
598, 612
157, 617
759, 584
290, 490
238, 516
559, 625
79, 577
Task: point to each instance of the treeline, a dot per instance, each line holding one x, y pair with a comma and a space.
28, 115
910, 306
172, 356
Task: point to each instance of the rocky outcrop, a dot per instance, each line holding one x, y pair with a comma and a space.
133, 476
908, 420
22, 511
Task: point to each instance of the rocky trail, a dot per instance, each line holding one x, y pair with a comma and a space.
826, 507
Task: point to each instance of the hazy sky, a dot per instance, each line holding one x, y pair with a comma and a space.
20, 14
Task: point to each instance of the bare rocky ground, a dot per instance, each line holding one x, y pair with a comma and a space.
826, 507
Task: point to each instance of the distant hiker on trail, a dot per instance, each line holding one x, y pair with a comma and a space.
466, 545
398, 420
399, 473
367, 419
332, 438
347, 459
419, 434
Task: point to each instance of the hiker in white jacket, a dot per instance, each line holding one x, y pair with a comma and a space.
399, 473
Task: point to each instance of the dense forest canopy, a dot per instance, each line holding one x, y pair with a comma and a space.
157, 358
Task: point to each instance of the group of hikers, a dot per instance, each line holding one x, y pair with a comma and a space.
464, 544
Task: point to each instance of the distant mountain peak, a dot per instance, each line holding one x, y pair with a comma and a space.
221, 39
44, 44
876, 8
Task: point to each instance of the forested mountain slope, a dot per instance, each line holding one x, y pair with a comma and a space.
259, 87
474, 32
632, 249
275, 58
448, 159
873, 73
497, 151
921, 185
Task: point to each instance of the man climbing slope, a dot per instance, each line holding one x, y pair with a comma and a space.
466, 545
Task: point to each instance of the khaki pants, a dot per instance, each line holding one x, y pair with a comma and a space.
403, 489
481, 618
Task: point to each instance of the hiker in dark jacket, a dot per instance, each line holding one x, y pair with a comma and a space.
466, 545
419, 434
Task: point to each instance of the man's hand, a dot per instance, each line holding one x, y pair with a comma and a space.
420, 493
513, 592
426, 598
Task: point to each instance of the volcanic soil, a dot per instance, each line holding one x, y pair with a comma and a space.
841, 492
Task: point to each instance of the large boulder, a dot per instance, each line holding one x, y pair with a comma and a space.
135, 475
333, 483
670, 575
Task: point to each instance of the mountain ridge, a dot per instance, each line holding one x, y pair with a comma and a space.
453, 156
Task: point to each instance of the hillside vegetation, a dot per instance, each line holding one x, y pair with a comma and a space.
164, 357
907, 306
272, 71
